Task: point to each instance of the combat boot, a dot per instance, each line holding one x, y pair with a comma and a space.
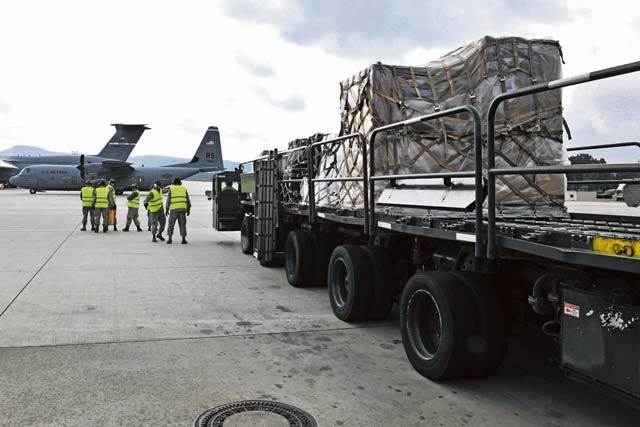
115, 228
184, 240
95, 230
84, 228
160, 237
169, 240
104, 229
154, 238
126, 229
139, 229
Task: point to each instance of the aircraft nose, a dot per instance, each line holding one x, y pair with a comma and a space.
16, 181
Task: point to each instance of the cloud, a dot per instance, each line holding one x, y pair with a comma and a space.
635, 24
246, 136
290, 103
190, 126
4, 107
606, 112
254, 67
385, 28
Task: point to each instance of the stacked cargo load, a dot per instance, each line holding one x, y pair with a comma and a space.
528, 129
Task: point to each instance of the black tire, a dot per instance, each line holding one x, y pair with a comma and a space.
276, 262
349, 281
437, 321
32, 191
383, 282
246, 235
321, 255
298, 258
491, 347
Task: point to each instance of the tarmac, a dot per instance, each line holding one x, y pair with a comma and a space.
114, 330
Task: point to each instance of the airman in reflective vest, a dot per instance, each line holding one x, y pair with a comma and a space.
153, 201
178, 208
103, 199
133, 204
86, 195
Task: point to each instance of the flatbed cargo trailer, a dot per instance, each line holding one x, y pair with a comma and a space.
465, 273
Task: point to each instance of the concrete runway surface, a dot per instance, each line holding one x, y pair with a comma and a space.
114, 330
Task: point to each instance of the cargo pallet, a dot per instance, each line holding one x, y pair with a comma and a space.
465, 278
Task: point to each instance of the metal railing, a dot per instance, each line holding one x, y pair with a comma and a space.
477, 173
599, 146
492, 172
312, 181
605, 181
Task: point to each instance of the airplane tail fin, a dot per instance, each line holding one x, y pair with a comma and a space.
208, 156
123, 141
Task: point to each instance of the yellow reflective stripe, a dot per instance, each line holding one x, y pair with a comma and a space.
86, 193
135, 202
102, 197
155, 204
178, 197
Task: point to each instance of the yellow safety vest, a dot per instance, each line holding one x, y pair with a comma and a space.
114, 193
135, 202
155, 204
87, 196
102, 198
178, 197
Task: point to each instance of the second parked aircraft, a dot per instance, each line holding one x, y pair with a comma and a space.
208, 157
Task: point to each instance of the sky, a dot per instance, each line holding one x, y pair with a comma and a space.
268, 71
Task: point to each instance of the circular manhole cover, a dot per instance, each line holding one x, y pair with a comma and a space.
261, 413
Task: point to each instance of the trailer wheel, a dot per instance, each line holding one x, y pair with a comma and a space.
382, 281
491, 347
349, 281
246, 235
321, 255
299, 258
437, 322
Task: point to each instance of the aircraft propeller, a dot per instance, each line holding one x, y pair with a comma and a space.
81, 167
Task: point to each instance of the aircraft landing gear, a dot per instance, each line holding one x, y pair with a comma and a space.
32, 191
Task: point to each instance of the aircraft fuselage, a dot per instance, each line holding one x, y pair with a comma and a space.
69, 178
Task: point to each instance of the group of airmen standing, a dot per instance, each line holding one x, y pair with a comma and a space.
99, 201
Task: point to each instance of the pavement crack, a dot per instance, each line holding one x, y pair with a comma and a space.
208, 337
39, 270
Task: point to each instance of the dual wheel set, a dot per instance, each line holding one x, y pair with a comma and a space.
453, 324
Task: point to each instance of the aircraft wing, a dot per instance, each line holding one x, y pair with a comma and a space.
117, 164
5, 165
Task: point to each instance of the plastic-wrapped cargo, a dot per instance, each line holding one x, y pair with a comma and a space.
528, 129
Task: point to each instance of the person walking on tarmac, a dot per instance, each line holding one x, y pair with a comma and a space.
112, 183
86, 195
154, 204
133, 204
178, 208
103, 199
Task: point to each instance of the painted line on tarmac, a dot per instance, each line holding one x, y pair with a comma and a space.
38, 271
61, 230
208, 337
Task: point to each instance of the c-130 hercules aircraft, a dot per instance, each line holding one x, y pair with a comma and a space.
119, 147
208, 157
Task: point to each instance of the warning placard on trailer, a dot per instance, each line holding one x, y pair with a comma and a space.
571, 310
